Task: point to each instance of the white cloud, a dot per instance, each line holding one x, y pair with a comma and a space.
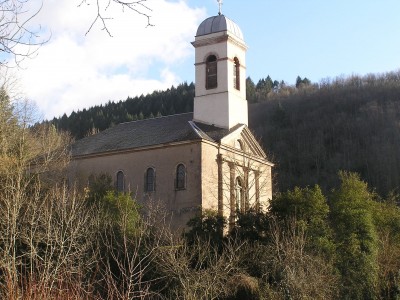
73, 71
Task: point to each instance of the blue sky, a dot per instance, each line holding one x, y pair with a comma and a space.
286, 38
315, 38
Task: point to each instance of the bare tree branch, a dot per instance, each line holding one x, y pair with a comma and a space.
17, 39
139, 7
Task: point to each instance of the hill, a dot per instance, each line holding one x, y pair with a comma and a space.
351, 124
97, 118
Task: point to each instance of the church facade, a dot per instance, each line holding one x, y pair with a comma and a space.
207, 159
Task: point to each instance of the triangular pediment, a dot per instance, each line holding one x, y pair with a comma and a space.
244, 140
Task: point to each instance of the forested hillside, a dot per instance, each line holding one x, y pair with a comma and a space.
345, 124
159, 103
310, 131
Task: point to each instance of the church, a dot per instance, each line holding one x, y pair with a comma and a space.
205, 160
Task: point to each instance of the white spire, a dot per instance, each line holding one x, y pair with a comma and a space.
220, 6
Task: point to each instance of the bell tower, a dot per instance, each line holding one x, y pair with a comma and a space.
220, 65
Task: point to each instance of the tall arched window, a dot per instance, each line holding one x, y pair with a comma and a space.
180, 181
239, 195
120, 181
211, 72
150, 180
236, 73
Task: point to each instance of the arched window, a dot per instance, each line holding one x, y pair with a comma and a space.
120, 181
239, 144
236, 73
239, 195
211, 72
180, 182
150, 180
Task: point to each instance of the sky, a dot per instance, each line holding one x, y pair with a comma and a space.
286, 38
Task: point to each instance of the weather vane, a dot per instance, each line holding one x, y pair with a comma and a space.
220, 6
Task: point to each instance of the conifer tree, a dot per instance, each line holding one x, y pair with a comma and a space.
356, 237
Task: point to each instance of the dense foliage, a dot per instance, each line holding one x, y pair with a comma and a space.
315, 245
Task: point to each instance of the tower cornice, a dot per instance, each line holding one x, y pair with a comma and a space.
219, 39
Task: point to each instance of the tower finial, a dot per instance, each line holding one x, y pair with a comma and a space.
220, 6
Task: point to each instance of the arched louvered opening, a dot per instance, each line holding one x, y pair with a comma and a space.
211, 72
236, 73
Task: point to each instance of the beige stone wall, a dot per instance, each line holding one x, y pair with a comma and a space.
223, 106
209, 176
222, 110
180, 204
201, 161
255, 172
258, 168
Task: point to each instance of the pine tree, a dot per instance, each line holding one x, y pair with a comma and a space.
356, 238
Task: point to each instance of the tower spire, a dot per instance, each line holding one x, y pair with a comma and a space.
220, 7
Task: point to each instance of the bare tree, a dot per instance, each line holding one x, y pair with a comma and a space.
300, 275
129, 252
17, 38
45, 230
198, 271
102, 6
20, 38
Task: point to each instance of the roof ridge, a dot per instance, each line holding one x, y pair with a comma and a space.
155, 118
198, 131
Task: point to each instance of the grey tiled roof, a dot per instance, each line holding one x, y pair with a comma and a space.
149, 132
217, 24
